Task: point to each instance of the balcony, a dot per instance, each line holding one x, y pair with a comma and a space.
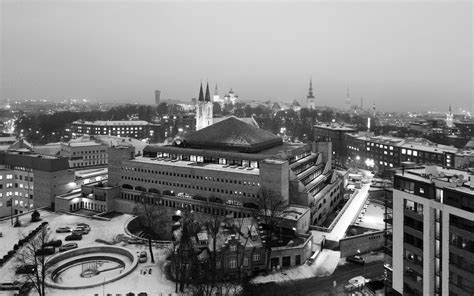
413, 214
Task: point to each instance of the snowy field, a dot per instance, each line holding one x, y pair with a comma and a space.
153, 282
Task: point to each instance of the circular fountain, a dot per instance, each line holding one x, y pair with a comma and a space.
90, 267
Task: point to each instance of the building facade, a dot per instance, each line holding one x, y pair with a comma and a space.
29, 181
380, 152
433, 221
336, 134
137, 129
84, 153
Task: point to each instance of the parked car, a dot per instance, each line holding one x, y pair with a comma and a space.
355, 259
355, 283
54, 243
45, 251
26, 269
81, 230
67, 247
63, 229
73, 236
83, 225
143, 257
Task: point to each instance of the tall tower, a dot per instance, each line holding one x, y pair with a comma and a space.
449, 118
311, 102
373, 109
204, 109
348, 100
157, 97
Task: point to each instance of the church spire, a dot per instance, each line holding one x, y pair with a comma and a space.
201, 95
449, 109
216, 92
208, 96
310, 92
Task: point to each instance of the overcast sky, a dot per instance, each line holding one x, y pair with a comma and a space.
404, 56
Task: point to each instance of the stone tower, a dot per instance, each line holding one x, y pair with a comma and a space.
204, 109
449, 118
311, 101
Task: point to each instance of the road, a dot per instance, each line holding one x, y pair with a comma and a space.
321, 285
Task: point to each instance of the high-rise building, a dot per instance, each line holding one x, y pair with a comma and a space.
433, 230
204, 109
310, 99
157, 97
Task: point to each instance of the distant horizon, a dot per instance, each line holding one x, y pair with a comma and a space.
399, 55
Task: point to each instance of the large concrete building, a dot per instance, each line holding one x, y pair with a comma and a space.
29, 180
433, 225
221, 170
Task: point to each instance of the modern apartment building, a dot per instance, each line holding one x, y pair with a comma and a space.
433, 231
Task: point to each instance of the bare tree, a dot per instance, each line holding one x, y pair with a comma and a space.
33, 261
153, 219
213, 227
271, 205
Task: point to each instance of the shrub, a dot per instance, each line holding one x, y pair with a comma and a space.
35, 216
17, 223
15, 247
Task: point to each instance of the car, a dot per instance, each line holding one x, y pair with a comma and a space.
45, 251
355, 284
143, 257
81, 230
54, 243
83, 225
355, 259
63, 229
73, 236
67, 247
26, 269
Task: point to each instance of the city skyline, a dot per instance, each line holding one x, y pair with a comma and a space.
393, 54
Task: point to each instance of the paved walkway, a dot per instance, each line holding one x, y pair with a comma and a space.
347, 217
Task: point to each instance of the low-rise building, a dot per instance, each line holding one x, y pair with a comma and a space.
137, 129
84, 153
379, 152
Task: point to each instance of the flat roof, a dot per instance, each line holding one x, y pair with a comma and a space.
195, 165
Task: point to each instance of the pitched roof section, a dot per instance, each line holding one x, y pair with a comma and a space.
201, 94
233, 134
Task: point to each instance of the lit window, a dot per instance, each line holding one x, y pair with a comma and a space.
404, 151
415, 153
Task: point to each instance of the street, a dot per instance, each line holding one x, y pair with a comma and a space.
321, 285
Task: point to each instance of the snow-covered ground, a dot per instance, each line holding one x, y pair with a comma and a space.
324, 265
152, 283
